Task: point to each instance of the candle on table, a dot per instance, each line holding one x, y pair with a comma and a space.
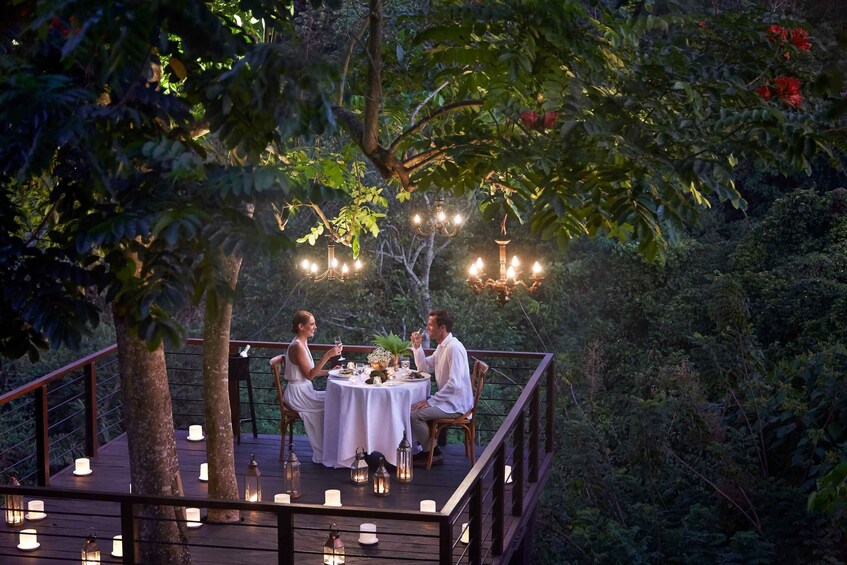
204, 471
35, 510
118, 546
332, 497
427, 506
282, 498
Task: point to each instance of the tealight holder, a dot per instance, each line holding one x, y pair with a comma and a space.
332, 497
427, 506
118, 546
35, 510
282, 498
192, 518
367, 534
195, 433
28, 540
82, 467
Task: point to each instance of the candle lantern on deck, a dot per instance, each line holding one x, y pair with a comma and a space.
291, 473
404, 460
359, 469
253, 482
333, 548
90, 551
382, 479
14, 504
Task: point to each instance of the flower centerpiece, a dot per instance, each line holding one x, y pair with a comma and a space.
380, 358
393, 344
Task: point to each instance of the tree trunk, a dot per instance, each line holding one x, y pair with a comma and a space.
154, 467
219, 438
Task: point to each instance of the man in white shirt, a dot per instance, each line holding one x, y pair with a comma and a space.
449, 362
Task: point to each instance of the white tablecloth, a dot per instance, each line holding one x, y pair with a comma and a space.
373, 417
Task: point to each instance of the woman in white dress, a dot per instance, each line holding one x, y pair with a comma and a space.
300, 369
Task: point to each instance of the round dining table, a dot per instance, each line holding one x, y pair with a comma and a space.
370, 416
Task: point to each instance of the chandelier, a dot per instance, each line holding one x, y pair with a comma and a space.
510, 273
438, 222
333, 271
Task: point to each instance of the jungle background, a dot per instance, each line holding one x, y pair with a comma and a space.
702, 401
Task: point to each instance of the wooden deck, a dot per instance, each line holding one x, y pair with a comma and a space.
254, 540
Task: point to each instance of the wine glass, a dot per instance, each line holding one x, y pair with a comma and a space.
337, 343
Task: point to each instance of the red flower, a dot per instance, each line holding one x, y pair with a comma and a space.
778, 32
529, 119
764, 91
800, 39
549, 119
704, 25
786, 86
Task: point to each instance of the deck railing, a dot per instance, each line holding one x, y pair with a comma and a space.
497, 507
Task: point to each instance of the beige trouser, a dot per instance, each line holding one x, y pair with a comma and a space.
420, 426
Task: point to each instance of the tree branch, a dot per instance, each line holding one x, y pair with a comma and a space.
428, 118
373, 98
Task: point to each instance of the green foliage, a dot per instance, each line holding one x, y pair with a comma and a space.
392, 343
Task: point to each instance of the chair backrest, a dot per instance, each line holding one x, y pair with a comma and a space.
278, 366
480, 370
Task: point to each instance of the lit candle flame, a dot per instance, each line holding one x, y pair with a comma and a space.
515, 261
358, 265
314, 268
536, 268
334, 263
458, 219
345, 269
473, 270
305, 264
417, 219
441, 216
510, 273
479, 263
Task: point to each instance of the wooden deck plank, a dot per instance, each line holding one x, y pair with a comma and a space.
253, 540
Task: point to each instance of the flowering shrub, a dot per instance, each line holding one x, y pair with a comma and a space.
786, 89
536, 120
798, 37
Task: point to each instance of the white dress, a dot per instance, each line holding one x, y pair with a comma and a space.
301, 396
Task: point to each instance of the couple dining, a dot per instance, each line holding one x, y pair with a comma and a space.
449, 363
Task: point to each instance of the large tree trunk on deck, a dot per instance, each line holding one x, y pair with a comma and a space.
219, 438
154, 467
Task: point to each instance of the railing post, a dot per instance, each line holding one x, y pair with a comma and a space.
534, 434
285, 537
129, 532
551, 404
90, 377
475, 523
445, 542
518, 466
42, 437
498, 505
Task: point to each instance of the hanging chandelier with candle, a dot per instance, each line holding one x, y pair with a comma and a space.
510, 273
335, 270
438, 222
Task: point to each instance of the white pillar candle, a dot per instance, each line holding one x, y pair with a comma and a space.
117, 546
427, 506
204, 471
282, 498
28, 539
332, 497
195, 432
507, 472
367, 533
82, 466
192, 516
35, 510
466, 536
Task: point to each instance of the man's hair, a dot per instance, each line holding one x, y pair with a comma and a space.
443, 318
300, 317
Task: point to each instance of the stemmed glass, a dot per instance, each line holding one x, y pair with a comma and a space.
337, 343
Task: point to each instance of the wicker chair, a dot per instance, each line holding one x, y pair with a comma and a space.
466, 421
287, 416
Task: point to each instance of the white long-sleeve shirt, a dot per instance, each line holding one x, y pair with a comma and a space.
449, 362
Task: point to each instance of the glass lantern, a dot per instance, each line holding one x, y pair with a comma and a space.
404, 460
14, 504
382, 480
359, 469
253, 481
291, 474
90, 551
333, 548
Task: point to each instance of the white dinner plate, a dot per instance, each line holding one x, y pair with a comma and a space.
411, 380
338, 374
